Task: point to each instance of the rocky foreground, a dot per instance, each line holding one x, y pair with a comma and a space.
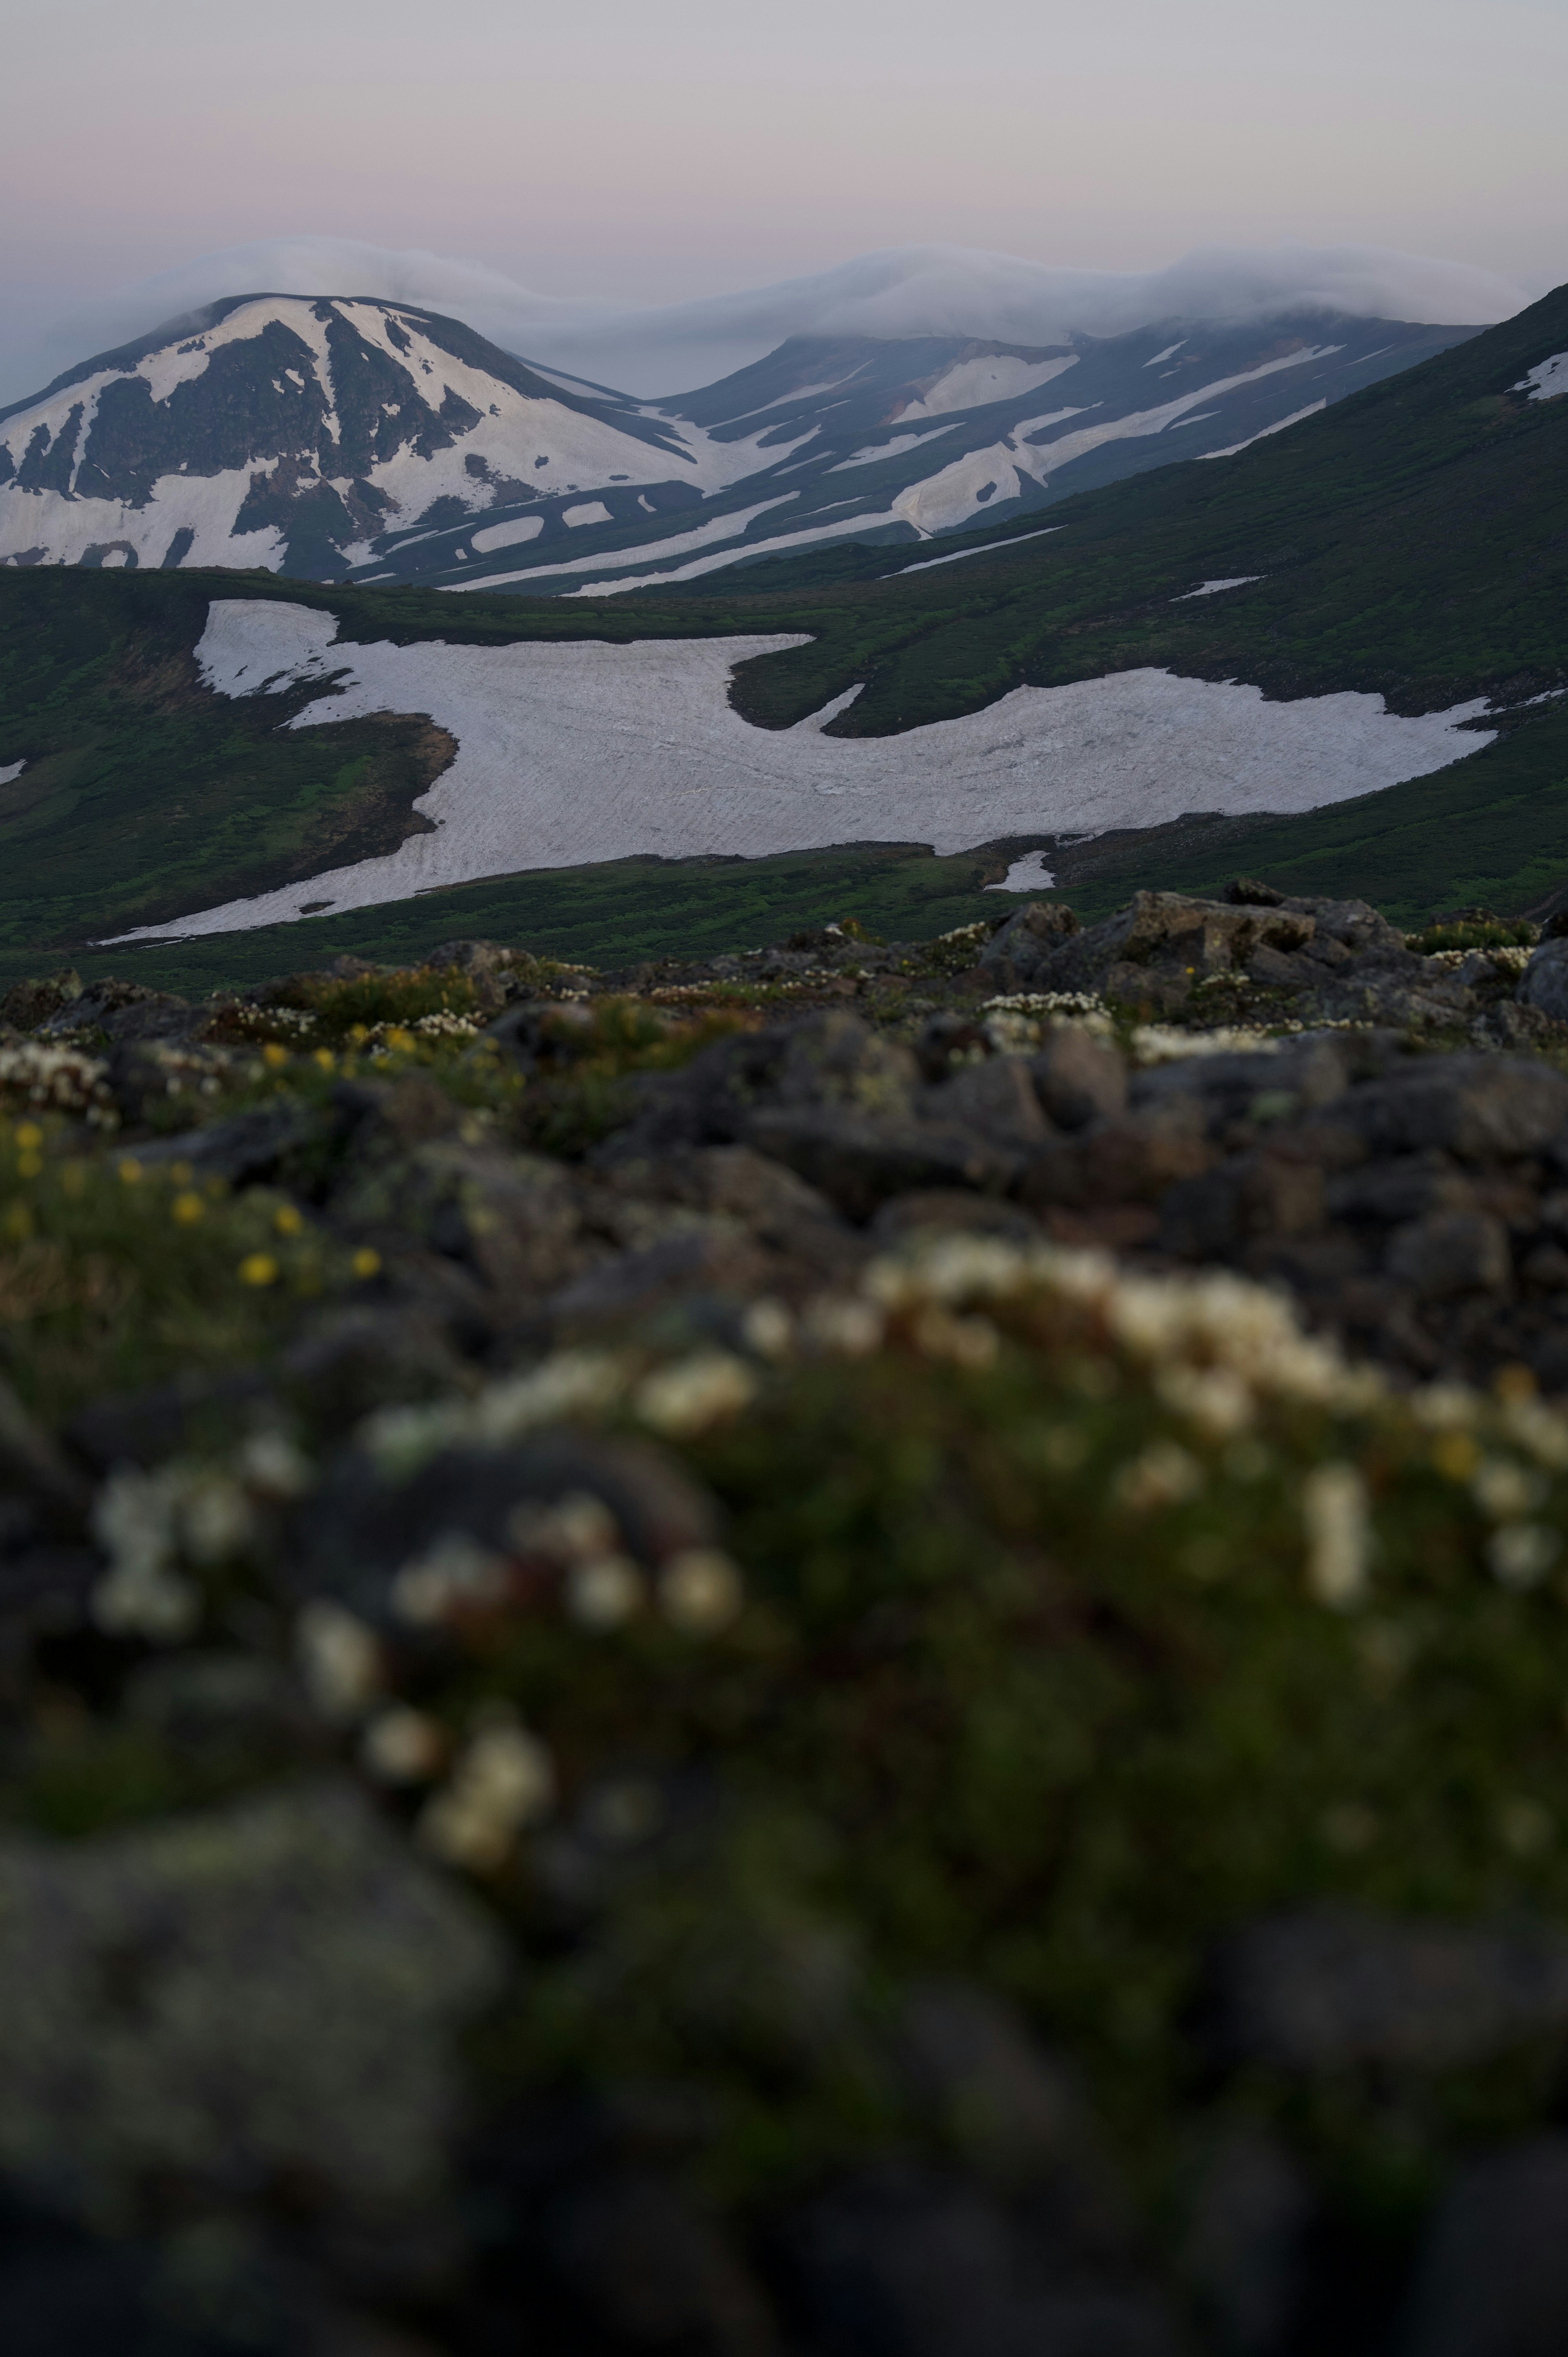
857, 1651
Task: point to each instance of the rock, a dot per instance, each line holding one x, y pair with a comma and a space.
510, 1217
28, 1005
858, 1161
1020, 950
1451, 1253
1332, 1988
830, 1064
1251, 1195
1247, 2250
1132, 1160
1247, 892
641, 2262
710, 1259
996, 2097
1077, 1077
900, 2262
146, 1428
1492, 2276
232, 2002
1544, 983
1400, 1188
244, 1149
1475, 1107
997, 1097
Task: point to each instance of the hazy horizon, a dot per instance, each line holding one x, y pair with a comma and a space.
693, 154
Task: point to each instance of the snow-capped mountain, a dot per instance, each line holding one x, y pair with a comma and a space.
336, 436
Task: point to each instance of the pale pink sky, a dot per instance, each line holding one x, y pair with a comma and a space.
656, 149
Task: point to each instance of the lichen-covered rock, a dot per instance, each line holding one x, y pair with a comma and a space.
233, 2003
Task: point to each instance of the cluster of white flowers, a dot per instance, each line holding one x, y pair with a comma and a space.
266, 1022
65, 1079
152, 1524
1163, 1043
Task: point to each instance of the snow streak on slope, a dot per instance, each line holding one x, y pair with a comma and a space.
577, 752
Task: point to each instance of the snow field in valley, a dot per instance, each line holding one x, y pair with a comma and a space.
575, 753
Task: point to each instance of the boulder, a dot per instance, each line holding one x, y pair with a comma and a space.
1332, 1988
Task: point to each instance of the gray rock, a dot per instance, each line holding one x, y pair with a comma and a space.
858, 1161
1492, 2278
1246, 2249
1477, 1107
1451, 1253
511, 1218
1544, 983
713, 1258
244, 1149
1333, 1988
1079, 1078
996, 1096
1020, 951
902, 2263
644, 2263
232, 2001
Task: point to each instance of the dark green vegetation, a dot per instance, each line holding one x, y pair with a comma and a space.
1413, 540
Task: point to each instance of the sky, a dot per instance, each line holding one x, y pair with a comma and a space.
659, 153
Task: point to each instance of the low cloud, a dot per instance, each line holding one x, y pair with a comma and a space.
906, 291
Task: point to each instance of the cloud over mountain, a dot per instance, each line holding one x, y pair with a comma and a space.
904, 291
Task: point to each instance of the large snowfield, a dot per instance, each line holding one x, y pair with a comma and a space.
570, 754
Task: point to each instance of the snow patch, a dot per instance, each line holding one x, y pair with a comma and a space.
585, 511
892, 449
1263, 432
506, 536
572, 752
1547, 381
1169, 353
992, 548
1030, 874
971, 383
10, 770
703, 535
1208, 588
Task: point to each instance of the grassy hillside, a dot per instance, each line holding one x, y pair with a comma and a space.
1413, 541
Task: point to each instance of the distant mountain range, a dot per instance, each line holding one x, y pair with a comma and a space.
1337, 660
347, 439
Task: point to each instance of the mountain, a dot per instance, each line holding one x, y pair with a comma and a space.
1338, 659
338, 437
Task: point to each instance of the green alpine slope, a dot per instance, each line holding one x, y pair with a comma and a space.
1412, 541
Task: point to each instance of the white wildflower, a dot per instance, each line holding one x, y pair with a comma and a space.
1521, 1554
216, 1519
402, 1745
768, 1329
1506, 1491
454, 1573
1338, 1534
970, 1343
142, 1594
700, 1591
1214, 1398
275, 1466
604, 1592
842, 1326
503, 1780
1162, 1043
569, 1528
1166, 1474
340, 1659
684, 1399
